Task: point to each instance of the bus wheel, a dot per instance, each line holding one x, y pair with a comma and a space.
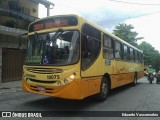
135, 79
104, 89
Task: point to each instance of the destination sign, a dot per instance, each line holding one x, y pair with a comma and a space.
53, 23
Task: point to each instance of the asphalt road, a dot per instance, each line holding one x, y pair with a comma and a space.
143, 97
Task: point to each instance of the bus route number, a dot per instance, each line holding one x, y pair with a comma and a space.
53, 77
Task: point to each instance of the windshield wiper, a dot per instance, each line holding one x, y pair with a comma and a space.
57, 34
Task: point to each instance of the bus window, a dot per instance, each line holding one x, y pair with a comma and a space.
136, 56
128, 54
118, 51
141, 57
125, 53
90, 46
108, 48
63, 50
131, 55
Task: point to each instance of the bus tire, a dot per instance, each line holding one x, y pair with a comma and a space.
135, 79
104, 89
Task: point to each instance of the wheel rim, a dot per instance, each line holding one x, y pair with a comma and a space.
135, 81
104, 89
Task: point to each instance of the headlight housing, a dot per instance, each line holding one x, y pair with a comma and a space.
67, 80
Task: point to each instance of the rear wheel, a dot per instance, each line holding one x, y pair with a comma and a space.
104, 89
135, 79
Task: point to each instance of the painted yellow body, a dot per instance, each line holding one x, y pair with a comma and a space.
85, 83
77, 89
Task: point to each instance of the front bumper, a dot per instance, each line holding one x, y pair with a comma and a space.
68, 91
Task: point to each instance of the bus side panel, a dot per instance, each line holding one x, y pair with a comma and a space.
121, 79
140, 74
93, 75
122, 72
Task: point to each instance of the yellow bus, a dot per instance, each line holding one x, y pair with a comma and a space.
72, 58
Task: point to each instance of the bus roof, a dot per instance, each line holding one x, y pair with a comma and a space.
94, 25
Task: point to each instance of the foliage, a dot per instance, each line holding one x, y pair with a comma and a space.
151, 56
125, 32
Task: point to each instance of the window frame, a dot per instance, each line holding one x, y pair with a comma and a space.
120, 50
95, 31
131, 55
125, 52
111, 48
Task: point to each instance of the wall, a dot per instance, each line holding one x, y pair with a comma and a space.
7, 41
22, 24
30, 5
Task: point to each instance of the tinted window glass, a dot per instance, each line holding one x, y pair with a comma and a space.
108, 51
125, 52
118, 51
136, 56
131, 55
90, 45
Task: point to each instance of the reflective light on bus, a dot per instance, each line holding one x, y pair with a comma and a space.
72, 77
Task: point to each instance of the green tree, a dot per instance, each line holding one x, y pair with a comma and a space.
151, 56
126, 33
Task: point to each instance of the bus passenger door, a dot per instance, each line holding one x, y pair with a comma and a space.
91, 63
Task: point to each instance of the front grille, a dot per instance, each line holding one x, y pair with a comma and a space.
40, 81
44, 70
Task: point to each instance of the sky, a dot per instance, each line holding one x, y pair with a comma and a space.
143, 15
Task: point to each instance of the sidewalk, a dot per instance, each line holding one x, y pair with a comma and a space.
10, 87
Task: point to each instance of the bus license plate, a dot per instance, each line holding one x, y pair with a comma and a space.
41, 89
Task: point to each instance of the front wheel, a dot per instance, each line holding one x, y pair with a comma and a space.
104, 89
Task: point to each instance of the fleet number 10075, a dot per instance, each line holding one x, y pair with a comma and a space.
53, 77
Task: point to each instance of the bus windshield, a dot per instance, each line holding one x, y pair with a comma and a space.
54, 48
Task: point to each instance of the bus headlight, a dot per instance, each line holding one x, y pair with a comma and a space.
67, 80
72, 77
